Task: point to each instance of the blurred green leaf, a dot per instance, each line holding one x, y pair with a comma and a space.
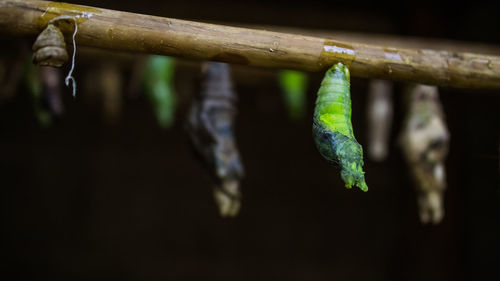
158, 84
294, 90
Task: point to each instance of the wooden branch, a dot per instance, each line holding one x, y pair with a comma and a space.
116, 30
396, 41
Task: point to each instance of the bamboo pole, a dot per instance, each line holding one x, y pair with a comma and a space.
117, 30
396, 41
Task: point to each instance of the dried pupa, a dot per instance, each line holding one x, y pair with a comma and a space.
51, 94
14, 68
425, 141
210, 126
111, 81
379, 113
49, 48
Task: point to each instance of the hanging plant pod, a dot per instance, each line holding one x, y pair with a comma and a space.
210, 126
158, 83
332, 127
294, 87
49, 48
425, 141
379, 118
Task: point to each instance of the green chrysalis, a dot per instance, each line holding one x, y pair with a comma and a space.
332, 127
294, 87
158, 80
34, 86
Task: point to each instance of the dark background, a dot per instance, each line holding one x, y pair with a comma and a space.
85, 200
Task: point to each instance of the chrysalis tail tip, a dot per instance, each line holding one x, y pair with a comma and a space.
227, 198
361, 186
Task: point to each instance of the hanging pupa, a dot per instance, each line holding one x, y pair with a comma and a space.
14, 69
51, 94
294, 86
158, 85
111, 82
210, 126
425, 141
49, 48
379, 118
34, 85
332, 127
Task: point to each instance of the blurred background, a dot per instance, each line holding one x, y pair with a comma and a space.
93, 197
